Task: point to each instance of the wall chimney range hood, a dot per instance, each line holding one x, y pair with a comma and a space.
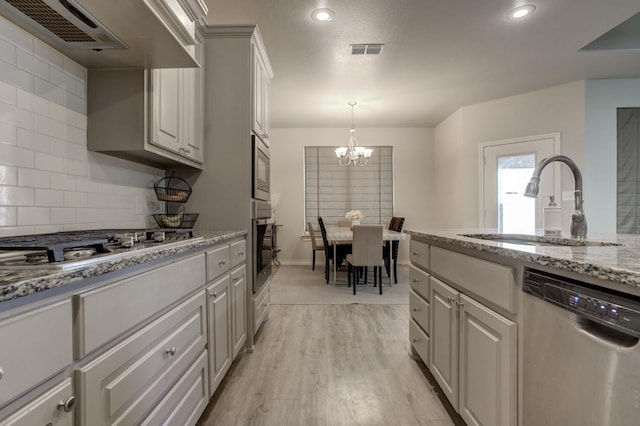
108, 34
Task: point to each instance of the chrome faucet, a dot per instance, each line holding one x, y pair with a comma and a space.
578, 219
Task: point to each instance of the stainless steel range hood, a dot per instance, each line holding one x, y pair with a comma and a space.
106, 34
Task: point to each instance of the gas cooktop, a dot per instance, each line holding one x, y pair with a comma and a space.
68, 250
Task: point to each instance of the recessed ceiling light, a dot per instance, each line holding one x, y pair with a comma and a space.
322, 15
521, 12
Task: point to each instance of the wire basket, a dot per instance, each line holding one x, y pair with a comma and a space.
172, 189
179, 220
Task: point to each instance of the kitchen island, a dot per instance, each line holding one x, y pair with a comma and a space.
498, 352
140, 334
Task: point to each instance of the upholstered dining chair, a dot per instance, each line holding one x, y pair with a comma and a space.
395, 224
367, 240
314, 245
341, 250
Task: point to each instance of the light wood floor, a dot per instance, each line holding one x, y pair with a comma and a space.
329, 365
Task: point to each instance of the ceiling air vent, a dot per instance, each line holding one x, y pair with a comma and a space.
367, 49
63, 22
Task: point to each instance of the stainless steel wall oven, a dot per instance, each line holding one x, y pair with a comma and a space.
261, 169
262, 243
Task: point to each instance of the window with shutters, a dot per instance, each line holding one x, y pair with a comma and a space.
331, 190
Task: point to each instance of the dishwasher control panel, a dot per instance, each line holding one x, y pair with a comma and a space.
598, 304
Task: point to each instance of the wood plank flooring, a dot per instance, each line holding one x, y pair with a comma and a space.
328, 365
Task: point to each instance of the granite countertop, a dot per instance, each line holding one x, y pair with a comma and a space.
617, 263
15, 283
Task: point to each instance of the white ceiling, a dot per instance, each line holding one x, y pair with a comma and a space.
439, 55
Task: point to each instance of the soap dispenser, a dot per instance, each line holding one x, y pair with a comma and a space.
552, 218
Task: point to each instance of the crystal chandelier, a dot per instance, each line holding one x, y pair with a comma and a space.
353, 154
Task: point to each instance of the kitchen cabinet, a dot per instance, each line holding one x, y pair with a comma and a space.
473, 357
52, 408
219, 329
261, 78
239, 298
154, 117
420, 309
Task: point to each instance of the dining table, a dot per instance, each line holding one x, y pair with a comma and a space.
343, 235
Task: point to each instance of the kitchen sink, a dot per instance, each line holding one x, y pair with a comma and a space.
539, 240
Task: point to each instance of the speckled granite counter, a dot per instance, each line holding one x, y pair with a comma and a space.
18, 283
619, 264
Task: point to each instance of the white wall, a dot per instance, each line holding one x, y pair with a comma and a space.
49, 182
603, 97
413, 160
555, 109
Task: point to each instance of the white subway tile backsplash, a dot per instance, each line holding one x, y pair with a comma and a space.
44, 124
102, 201
81, 89
76, 227
76, 135
16, 196
48, 162
8, 93
75, 167
8, 134
75, 199
63, 181
63, 80
33, 216
15, 35
10, 73
63, 215
75, 69
33, 103
75, 103
47, 229
34, 178
57, 112
47, 53
33, 65
49, 91
33, 141
8, 175
7, 52
10, 114
16, 156
88, 215
11, 231
49, 198
8, 216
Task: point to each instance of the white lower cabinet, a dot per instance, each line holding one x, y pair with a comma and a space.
219, 328
473, 357
239, 297
124, 384
53, 408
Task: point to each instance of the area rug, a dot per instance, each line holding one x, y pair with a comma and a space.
299, 285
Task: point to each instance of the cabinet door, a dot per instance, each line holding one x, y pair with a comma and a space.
444, 339
165, 112
239, 292
47, 409
258, 93
266, 125
219, 324
487, 366
193, 111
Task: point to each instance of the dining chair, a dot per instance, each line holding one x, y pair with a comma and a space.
367, 240
314, 245
395, 224
341, 250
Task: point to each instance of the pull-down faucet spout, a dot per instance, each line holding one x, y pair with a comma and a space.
578, 219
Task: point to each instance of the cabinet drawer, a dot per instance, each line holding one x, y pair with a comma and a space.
187, 400
419, 281
419, 341
261, 307
419, 309
34, 346
107, 312
491, 281
217, 262
44, 410
238, 253
419, 253
121, 385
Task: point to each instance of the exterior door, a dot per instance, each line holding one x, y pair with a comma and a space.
506, 169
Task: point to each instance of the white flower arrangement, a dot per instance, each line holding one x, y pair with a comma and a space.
354, 215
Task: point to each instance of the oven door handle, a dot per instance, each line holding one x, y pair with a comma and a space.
264, 221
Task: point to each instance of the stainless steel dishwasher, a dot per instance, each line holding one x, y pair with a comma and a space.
581, 359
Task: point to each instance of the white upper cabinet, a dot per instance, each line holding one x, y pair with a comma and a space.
261, 78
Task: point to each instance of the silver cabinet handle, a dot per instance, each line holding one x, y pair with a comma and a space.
416, 309
240, 253
415, 280
265, 305
415, 340
460, 304
415, 253
68, 404
172, 351
214, 294
1, 373
450, 299
222, 262
235, 279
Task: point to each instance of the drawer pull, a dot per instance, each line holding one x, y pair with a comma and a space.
240, 253
416, 309
415, 340
415, 253
171, 351
265, 305
415, 280
460, 304
222, 262
214, 294
1, 373
450, 299
68, 405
